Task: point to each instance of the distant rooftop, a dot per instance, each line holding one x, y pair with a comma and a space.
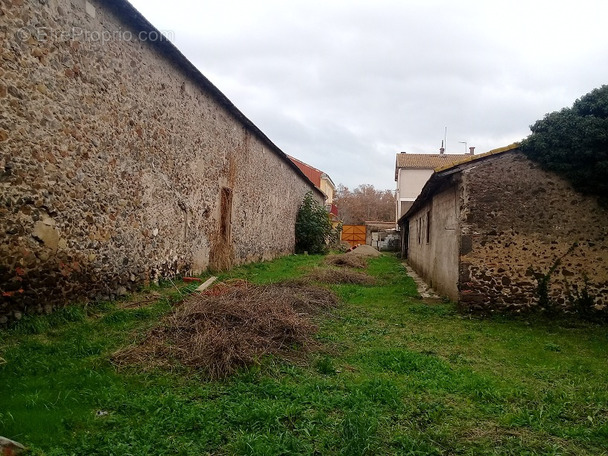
470, 158
427, 161
314, 174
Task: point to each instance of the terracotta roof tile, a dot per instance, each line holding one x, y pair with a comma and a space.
429, 161
311, 172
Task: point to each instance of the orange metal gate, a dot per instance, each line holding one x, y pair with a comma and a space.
354, 234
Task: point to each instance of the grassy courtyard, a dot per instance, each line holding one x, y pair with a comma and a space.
390, 374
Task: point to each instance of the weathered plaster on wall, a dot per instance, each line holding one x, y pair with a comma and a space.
436, 259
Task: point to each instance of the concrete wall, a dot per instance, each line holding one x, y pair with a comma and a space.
409, 186
114, 160
517, 223
411, 181
433, 241
385, 240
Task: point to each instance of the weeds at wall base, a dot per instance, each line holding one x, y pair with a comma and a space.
535, 315
79, 311
580, 303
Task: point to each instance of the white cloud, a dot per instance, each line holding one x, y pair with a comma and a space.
345, 85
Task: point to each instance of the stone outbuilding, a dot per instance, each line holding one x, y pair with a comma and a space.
496, 232
120, 163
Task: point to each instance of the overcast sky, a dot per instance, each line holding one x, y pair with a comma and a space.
345, 85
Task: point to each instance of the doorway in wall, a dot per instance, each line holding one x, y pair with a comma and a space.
226, 214
220, 258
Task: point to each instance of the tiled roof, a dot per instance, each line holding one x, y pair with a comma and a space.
428, 161
311, 172
471, 158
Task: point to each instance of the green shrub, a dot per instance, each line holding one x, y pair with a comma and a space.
313, 227
573, 142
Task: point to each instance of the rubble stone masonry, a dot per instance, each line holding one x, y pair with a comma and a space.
520, 223
117, 167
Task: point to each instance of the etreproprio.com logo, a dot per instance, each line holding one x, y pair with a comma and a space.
47, 34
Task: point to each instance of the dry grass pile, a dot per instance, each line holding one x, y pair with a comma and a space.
233, 327
223, 287
349, 261
340, 276
364, 250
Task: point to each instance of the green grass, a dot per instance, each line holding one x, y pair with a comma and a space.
394, 376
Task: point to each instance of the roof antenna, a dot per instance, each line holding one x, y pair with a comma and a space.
445, 138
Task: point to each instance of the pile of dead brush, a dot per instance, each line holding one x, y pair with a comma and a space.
340, 276
349, 261
233, 326
363, 250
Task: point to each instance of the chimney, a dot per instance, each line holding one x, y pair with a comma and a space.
441, 150
472, 150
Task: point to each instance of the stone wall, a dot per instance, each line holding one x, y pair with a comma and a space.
120, 163
519, 223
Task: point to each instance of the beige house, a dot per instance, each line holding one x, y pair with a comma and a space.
328, 187
488, 231
413, 170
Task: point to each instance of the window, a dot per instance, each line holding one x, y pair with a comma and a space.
428, 227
